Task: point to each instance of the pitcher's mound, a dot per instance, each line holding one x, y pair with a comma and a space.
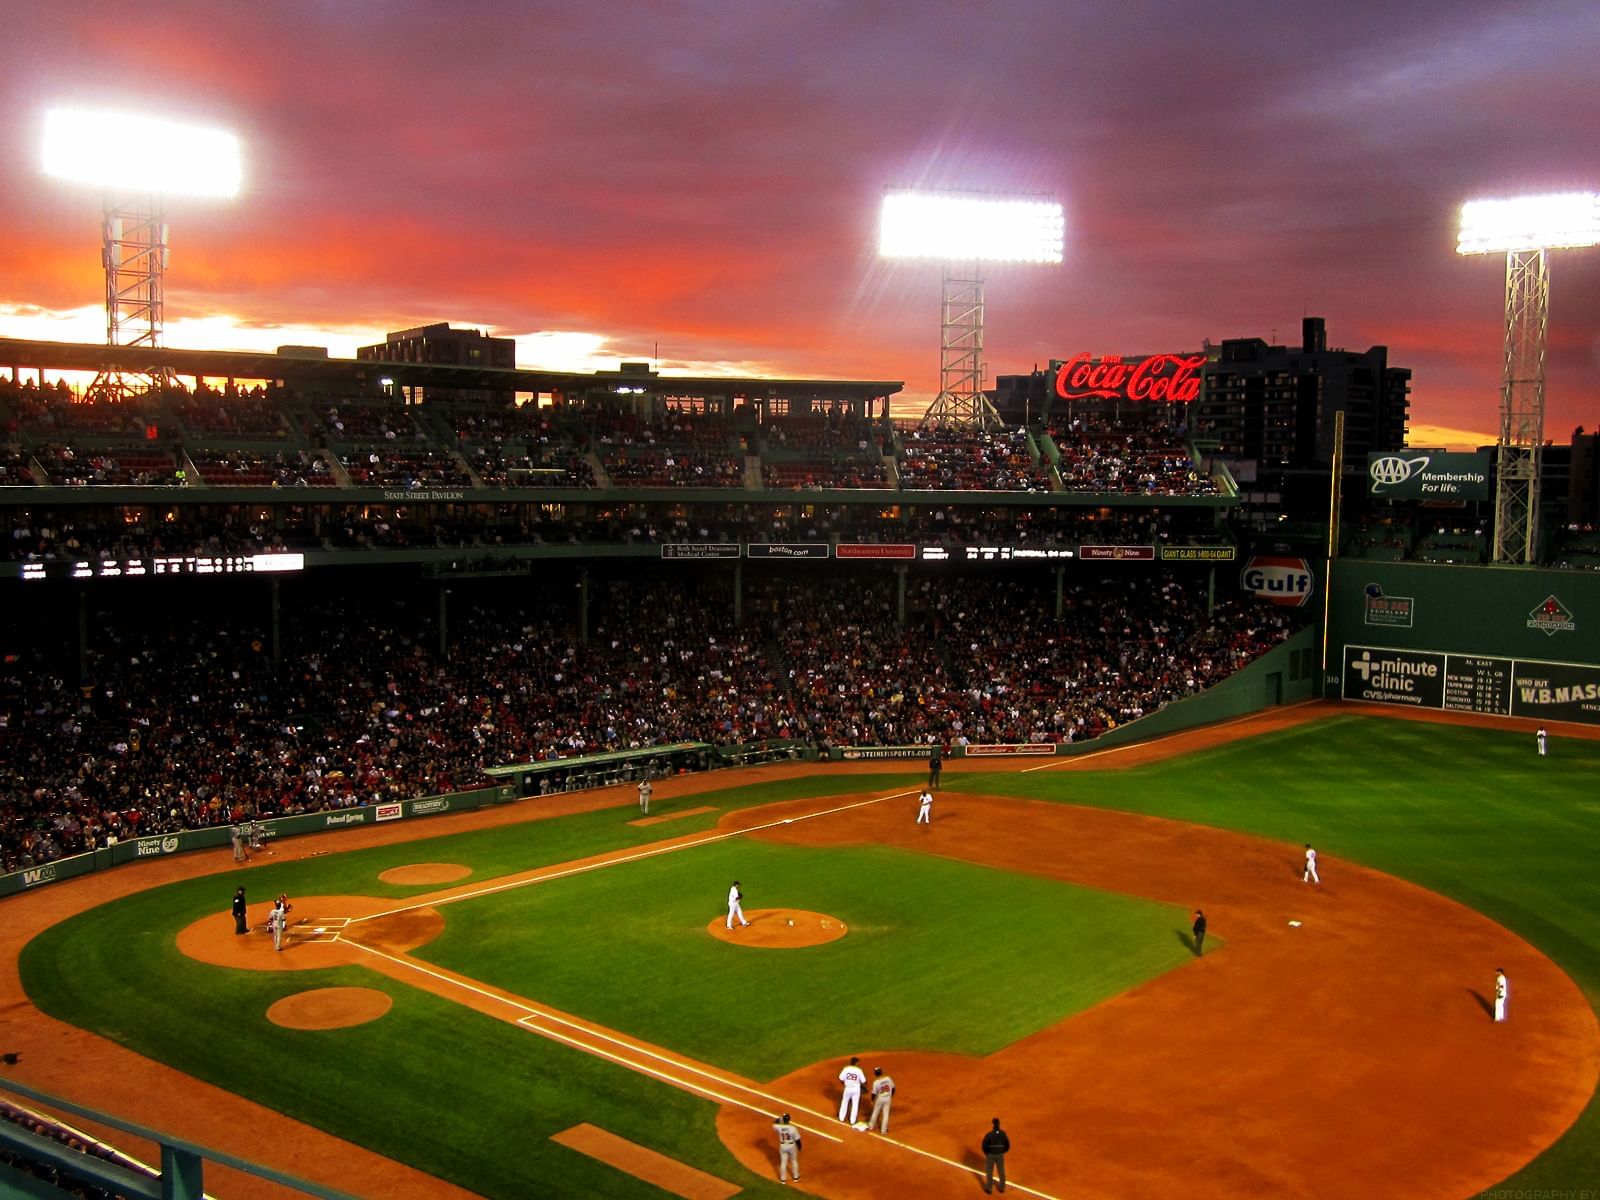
779, 929
330, 1008
420, 873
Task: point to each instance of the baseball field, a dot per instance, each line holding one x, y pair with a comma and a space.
544, 1000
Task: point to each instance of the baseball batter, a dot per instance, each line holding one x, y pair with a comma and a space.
644, 796
882, 1098
852, 1077
925, 808
275, 922
788, 1149
735, 896
1309, 875
1502, 989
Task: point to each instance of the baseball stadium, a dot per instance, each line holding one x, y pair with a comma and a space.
427, 776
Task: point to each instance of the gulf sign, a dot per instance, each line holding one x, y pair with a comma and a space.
1158, 378
1285, 581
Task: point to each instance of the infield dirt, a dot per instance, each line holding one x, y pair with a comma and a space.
1352, 1055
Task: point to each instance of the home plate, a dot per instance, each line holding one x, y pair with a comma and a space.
1294, 924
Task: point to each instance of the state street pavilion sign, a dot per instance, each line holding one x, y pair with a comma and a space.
1155, 378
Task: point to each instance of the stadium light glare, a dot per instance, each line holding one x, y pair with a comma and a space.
123, 152
1561, 221
957, 227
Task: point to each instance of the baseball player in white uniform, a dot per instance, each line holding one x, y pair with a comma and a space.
1544, 741
852, 1077
925, 808
1502, 989
788, 1149
275, 922
882, 1098
1310, 873
734, 897
644, 796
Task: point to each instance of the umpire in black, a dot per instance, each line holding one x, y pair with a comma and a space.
996, 1145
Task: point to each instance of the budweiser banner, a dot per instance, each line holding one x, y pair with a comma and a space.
1032, 749
1158, 378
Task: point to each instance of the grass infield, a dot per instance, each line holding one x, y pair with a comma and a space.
1470, 813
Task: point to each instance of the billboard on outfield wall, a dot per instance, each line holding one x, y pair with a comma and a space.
1477, 683
1427, 475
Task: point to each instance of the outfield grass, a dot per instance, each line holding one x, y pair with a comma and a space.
1470, 813
932, 942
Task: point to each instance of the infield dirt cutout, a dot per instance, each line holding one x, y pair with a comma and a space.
330, 1008
780, 929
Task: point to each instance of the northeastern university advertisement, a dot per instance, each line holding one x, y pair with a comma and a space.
1510, 642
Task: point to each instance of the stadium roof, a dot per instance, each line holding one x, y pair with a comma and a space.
362, 374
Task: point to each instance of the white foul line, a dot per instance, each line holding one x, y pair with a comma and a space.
648, 852
532, 1014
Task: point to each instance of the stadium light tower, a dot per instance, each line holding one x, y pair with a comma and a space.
1524, 230
137, 162
964, 231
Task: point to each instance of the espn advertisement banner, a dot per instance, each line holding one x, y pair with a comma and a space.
1032, 749
391, 812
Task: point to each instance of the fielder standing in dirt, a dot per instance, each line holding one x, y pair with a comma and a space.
882, 1098
788, 1149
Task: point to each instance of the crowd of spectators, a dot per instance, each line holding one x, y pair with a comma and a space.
1125, 458
62, 1182
16, 468
409, 469
184, 721
55, 411
109, 465
673, 467
228, 414
255, 468
971, 461
500, 466
348, 423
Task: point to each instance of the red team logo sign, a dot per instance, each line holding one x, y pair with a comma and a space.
1285, 581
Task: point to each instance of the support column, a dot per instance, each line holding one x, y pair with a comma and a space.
583, 606
444, 623
274, 640
83, 634
1061, 577
1211, 591
182, 1174
900, 597
738, 594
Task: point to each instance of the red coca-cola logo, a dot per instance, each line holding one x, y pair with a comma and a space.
1162, 378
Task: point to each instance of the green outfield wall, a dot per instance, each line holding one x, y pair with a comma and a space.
1505, 641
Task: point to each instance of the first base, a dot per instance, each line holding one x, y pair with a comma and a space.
860, 1127
788, 820
1294, 924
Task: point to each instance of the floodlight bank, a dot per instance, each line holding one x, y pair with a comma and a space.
1562, 221
121, 152
970, 228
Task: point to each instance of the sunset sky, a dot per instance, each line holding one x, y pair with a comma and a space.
598, 179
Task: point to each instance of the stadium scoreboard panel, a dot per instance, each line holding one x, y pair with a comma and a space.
163, 565
1475, 683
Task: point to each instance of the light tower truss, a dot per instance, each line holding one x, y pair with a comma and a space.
134, 252
961, 403
1519, 454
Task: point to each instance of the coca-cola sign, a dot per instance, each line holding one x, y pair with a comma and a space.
1159, 378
